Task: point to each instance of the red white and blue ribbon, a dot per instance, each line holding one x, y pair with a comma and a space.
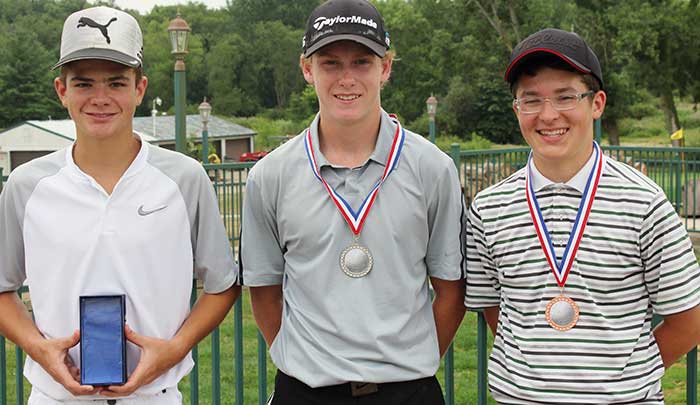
356, 218
561, 269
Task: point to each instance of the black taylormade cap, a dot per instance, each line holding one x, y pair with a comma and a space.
353, 20
568, 46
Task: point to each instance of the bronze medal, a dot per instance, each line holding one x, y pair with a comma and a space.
562, 313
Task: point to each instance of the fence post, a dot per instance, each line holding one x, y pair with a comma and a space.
450, 376
691, 379
238, 342
481, 373
455, 154
19, 368
19, 375
262, 370
194, 374
3, 364
678, 172
598, 129
215, 367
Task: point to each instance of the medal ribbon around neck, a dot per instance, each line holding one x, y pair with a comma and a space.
356, 219
561, 269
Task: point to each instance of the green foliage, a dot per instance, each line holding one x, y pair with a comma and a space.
194, 149
649, 130
226, 66
482, 106
26, 90
271, 132
245, 13
244, 58
475, 142
303, 107
280, 45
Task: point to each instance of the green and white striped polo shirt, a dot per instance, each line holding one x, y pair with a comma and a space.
635, 259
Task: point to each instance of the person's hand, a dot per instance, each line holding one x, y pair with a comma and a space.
157, 357
52, 356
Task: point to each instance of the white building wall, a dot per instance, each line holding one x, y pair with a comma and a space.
26, 137
5, 162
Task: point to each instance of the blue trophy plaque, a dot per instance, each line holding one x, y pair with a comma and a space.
102, 340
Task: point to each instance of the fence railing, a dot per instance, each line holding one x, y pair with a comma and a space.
676, 170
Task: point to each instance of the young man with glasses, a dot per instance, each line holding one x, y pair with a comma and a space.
571, 256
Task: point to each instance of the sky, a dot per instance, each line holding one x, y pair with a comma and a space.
145, 6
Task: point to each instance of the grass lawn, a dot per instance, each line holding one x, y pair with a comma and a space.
651, 130
465, 366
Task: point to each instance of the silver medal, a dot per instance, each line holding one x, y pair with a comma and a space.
356, 260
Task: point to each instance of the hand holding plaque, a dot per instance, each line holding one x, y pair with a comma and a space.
157, 357
52, 355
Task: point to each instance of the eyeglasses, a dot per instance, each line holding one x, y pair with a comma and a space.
561, 102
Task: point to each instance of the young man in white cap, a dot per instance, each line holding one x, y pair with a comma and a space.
342, 228
572, 255
110, 215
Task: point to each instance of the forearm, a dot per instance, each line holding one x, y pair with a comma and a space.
267, 310
448, 310
206, 315
16, 323
491, 316
677, 335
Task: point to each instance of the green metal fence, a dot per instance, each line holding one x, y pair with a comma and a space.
676, 170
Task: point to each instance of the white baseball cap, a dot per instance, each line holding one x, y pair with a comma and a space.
101, 33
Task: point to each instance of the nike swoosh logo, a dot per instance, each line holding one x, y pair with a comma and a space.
143, 212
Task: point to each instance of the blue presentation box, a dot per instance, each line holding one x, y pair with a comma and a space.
102, 340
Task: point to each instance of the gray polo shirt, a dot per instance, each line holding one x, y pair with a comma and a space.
379, 328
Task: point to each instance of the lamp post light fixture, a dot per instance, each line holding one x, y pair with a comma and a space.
179, 32
154, 112
204, 112
432, 103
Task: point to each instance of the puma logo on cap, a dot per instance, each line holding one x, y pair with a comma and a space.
85, 21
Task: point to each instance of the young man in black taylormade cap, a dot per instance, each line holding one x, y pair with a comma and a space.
570, 256
343, 226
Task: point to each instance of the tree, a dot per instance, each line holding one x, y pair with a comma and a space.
227, 66
280, 47
26, 84
246, 13
657, 53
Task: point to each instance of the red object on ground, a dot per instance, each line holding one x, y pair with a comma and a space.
252, 156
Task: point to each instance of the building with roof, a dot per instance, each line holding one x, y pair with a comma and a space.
31, 139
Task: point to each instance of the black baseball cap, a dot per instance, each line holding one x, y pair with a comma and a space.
568, 46
338, 20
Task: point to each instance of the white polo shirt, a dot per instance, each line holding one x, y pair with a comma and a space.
67, 237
